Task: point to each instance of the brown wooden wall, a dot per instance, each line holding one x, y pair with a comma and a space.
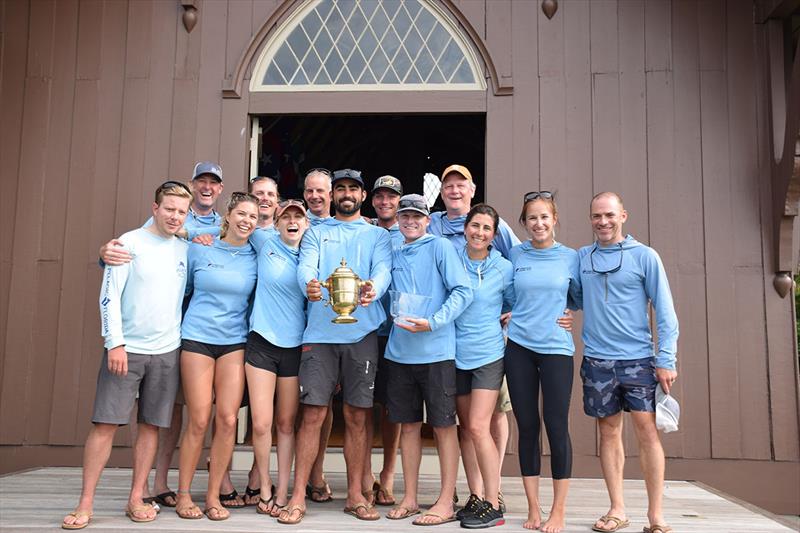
664, 102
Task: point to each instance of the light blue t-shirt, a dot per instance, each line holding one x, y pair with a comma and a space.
429, 266
479, 335
616, 320
546, 282
453, 231
279, 310
368, 252
221, 281
140, 301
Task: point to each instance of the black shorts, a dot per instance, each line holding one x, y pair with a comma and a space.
260, 353
410, 385
382, 376
214, 351
323, 366
488, 376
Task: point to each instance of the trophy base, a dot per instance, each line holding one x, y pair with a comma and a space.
344, 319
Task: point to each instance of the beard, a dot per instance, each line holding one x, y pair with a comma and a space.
337, 205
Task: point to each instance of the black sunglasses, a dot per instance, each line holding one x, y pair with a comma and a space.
615, 269
535, 195
169, 184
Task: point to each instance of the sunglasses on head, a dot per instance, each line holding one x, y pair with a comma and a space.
535, 195
320, 170
416, 204
339, 174
291, 202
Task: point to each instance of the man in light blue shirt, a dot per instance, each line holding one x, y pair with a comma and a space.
340, 354
621, 279
317, 194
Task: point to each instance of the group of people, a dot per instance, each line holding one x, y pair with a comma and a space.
205, 310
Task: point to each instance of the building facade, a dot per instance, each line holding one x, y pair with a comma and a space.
688, 109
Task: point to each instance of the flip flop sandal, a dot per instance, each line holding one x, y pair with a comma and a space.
289, 512
222, 513
354, 512
130, 512
161, 499
441, 520
269, 503
619, 523
406, 512
386, 494
276, 510
228, 497
657, 528
320, 494
77, 514
182, 512
251, 493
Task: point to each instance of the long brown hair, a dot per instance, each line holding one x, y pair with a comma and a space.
236, 199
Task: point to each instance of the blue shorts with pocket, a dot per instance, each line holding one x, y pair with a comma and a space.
613, 385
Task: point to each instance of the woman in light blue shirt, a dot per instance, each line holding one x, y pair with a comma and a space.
220, 278
273, 351
539, 353
479, 363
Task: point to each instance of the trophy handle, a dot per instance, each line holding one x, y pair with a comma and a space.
328, 284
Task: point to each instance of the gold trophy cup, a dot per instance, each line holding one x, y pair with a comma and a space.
344, 293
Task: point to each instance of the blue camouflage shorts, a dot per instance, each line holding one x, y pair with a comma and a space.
612, 385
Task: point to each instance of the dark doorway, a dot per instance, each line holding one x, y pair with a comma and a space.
405, 146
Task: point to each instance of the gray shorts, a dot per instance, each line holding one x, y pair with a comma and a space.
489, 376
412, 385
323, 366
155, 378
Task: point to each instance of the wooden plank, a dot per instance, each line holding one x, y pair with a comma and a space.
367, 102
212, 71
187, 50
724, 372
633, 114
130, 176
240, 16
711, 18
499, 39
689, 246
184, 123
552, 106
606, 142
12, 94
658, 24
159, 105
235, 143
475, 12
46, 291
262, 10
137, 57
604, 36
90, 35
746, 246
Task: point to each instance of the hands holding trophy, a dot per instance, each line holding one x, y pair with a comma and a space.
346, 291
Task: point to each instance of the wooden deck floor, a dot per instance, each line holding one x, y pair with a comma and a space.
37, 500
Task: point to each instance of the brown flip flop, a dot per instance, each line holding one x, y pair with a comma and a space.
406, 512
382, 493
440, 520
130, 512
289, 512
77, 514
354, 511
619, 523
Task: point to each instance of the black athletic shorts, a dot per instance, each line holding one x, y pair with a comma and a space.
214, 351
260, 353
409, 386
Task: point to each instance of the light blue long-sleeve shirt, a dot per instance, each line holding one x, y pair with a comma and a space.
140, 301
429, 266
546, 282
221, 280
261, 235
368, 252
453, 231
279, 310
479, 335
397, 240
616, 321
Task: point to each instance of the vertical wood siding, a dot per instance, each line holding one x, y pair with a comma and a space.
664, 102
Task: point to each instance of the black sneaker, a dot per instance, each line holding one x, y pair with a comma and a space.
486, 516
472, 506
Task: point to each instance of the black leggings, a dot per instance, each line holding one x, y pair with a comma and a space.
525, 371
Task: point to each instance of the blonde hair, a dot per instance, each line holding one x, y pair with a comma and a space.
235, 199
173, 188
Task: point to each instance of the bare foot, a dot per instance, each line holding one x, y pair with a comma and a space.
403, 510
612, 521
554, 523
534, 520
441, 511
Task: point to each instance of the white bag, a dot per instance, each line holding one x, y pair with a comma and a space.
668, 412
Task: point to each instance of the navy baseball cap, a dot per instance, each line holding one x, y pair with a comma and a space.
348, 174
207, 167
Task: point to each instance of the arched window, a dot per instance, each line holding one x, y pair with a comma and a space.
367, 45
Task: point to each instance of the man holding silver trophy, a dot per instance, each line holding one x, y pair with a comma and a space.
340, 349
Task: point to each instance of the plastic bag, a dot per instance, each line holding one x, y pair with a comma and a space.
668, 411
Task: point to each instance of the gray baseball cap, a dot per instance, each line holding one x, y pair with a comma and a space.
388, 182
413, 202
207, 167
